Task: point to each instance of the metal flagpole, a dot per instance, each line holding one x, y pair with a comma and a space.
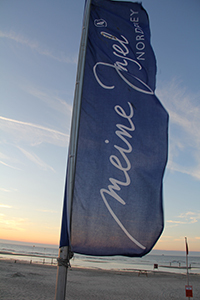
64, 252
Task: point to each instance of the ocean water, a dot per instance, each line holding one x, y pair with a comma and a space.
167, 261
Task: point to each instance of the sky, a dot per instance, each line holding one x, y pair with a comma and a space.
39, 44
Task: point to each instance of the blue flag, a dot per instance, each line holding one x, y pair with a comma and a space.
122, 143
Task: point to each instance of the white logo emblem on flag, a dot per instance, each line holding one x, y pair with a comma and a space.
100, 23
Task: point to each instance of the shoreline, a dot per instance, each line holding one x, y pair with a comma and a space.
78, 267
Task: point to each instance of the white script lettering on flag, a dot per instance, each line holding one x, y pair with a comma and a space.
121, 52
115, 161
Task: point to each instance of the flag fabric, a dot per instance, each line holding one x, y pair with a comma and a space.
123, 138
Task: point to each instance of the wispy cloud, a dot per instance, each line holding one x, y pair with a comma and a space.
190, 217
13, 161
47, 211
35, 46
5, 206
186, 218
36, 160
9, 166
4, 190
50, 98
32, 134
184, 112
176, 222
17, 224
10, 190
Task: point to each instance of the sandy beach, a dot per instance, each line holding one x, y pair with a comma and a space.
22, 281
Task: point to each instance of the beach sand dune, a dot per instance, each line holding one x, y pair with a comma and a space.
22, 281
